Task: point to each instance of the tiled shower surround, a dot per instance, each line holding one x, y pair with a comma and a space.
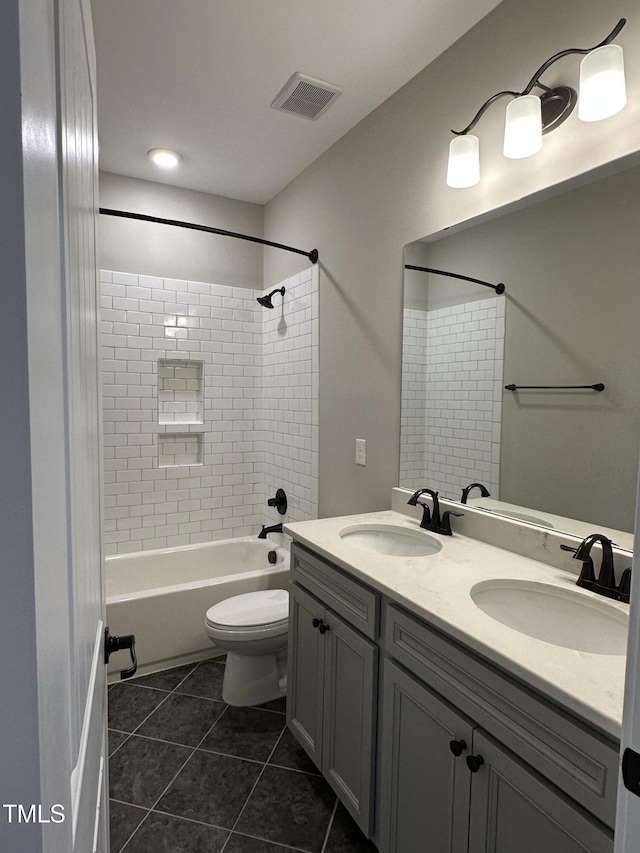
452, 366
209, 405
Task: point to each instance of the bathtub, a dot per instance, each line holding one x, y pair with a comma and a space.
162, 596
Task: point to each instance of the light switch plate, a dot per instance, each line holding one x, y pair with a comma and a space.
361, 451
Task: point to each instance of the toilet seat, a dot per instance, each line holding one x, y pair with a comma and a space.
264, 613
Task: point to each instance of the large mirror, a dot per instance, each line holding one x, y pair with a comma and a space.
570, 316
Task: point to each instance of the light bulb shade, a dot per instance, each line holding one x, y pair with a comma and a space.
602, 88
523, 127
464, 162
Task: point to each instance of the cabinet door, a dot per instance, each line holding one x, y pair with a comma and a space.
512, 808
350, 685
425, 796
305, 688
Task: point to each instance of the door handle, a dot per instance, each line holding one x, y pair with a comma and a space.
113, 643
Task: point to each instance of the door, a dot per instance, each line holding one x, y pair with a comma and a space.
512, 808
426, 785
628, 813
53, 718
305, 669
350, 689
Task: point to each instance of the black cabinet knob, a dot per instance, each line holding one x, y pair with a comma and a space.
323, 628
457, 747
316, 622
474, 762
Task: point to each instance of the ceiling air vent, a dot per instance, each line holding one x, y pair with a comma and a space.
306, 97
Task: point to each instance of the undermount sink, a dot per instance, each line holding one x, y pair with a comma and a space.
563, 617
391, 540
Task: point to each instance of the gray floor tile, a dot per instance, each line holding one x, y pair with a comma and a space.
116, 739
123, 819
167, 679
245, 733
162, 833
345, 836
245, 844
279, 705
211, 788
129, 705
182, 719
289, 808
141, 769
205, 680
289, 753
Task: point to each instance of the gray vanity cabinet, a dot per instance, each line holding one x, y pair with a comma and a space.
514, 809
522, 771
332, 681
432, 801
425, 790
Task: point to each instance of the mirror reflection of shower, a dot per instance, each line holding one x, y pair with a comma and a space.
266, 302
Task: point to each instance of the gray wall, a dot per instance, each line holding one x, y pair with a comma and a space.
383, 185
147, 248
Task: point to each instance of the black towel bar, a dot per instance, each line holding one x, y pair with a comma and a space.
597, 387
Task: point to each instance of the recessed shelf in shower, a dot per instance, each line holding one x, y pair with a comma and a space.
180, 391
178, 449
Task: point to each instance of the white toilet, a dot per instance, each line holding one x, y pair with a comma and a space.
252, 629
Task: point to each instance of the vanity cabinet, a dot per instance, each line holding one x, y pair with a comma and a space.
452, 766
458, 755
433, 800
332, 678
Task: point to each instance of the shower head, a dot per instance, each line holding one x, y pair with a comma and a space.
265, 301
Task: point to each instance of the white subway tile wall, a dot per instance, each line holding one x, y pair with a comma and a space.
452, 375
245, 414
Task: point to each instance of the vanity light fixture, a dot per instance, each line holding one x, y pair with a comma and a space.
164, 157
529, 116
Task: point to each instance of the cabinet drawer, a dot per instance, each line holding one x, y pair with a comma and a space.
356, 603
577, 759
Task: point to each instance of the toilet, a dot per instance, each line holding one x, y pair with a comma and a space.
252, 629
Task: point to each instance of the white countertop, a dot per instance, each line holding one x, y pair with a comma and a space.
437, 589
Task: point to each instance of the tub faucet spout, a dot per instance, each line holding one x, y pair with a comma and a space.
275, 528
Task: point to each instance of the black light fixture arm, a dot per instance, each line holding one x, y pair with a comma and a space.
499, 288
535, 79
312, 255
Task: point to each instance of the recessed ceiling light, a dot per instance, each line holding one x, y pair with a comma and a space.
164, 157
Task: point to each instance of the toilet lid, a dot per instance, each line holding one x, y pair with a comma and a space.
252, 608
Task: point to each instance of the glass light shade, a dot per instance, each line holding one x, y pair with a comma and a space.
164, 157
523, 127
602, 87
464, 162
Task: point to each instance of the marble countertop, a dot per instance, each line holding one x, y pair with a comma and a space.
437, 589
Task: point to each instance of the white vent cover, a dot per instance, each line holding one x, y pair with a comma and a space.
304, 96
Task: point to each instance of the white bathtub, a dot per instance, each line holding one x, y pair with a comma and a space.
162, 596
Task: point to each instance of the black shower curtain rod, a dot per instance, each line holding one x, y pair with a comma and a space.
499, 288
312, 255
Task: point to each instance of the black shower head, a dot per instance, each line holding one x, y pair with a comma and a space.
265, 301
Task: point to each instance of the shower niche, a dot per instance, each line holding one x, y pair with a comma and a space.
180, 391
178, 449
180, 404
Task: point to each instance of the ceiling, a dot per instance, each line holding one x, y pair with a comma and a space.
198, 76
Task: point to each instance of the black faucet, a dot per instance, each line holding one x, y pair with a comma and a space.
275, 528
465, 492
605, 583
431, 519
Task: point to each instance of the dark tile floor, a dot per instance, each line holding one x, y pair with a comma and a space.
190, 774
